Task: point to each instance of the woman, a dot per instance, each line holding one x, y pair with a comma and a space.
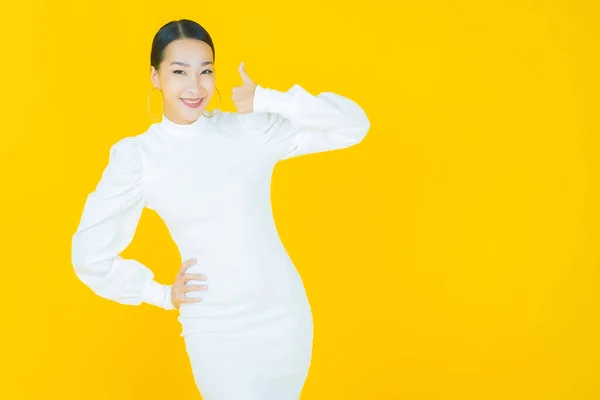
208, 177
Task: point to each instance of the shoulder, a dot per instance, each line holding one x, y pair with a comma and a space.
125, 148
260, 126
242, 126
125, 155
127, 144
145, 145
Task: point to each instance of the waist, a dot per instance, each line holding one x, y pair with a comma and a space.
237, 298
239, 278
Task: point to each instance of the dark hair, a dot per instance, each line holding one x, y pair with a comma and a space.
181, 29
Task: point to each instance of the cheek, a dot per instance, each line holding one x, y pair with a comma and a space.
172, 88
208, 81
172, 85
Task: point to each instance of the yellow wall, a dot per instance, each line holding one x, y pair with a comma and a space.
451, 255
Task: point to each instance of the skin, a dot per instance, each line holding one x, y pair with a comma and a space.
180, 286
196, 79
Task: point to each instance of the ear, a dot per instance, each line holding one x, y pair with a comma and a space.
154, 78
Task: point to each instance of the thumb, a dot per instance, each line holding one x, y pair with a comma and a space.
244, 75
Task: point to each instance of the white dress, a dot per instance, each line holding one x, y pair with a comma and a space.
251, 337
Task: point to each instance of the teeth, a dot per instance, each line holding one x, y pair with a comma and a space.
192, 102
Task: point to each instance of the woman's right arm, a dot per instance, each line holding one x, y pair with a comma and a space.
108, 223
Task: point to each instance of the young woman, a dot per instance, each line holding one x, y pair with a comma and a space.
208, 177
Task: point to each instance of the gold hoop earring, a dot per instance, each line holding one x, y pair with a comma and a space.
215, 113
163, 104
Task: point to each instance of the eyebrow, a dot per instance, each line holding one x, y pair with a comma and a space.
183, 64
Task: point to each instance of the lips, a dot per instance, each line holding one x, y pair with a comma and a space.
192, 103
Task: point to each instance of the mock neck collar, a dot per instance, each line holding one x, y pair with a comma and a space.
173, 128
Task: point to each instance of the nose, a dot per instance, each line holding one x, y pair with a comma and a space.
196, 90
195, 87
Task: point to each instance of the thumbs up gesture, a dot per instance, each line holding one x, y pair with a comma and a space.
243, 96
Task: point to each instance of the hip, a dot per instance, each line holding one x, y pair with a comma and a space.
249, 317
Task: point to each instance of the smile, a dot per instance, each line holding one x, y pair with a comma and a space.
192, 103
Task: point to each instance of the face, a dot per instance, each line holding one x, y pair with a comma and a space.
185, 75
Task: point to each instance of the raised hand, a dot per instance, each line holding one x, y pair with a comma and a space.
243, 96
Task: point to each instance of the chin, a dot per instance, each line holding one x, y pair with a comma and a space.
190, 115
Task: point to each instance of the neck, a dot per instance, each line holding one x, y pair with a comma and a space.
186, 128
177, 119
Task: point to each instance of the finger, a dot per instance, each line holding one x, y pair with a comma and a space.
190, 288
187, 264
187, 277
192, 300
244, 75
192, 277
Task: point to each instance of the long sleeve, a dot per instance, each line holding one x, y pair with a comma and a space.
296, 122
108, 223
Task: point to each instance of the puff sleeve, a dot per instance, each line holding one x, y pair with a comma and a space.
107, 226
296, 122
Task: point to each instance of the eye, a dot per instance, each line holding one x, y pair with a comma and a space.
176, 71
207, 70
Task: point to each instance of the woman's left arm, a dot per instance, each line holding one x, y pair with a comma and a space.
296, 122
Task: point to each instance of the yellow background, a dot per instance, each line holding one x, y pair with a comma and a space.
451, 255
